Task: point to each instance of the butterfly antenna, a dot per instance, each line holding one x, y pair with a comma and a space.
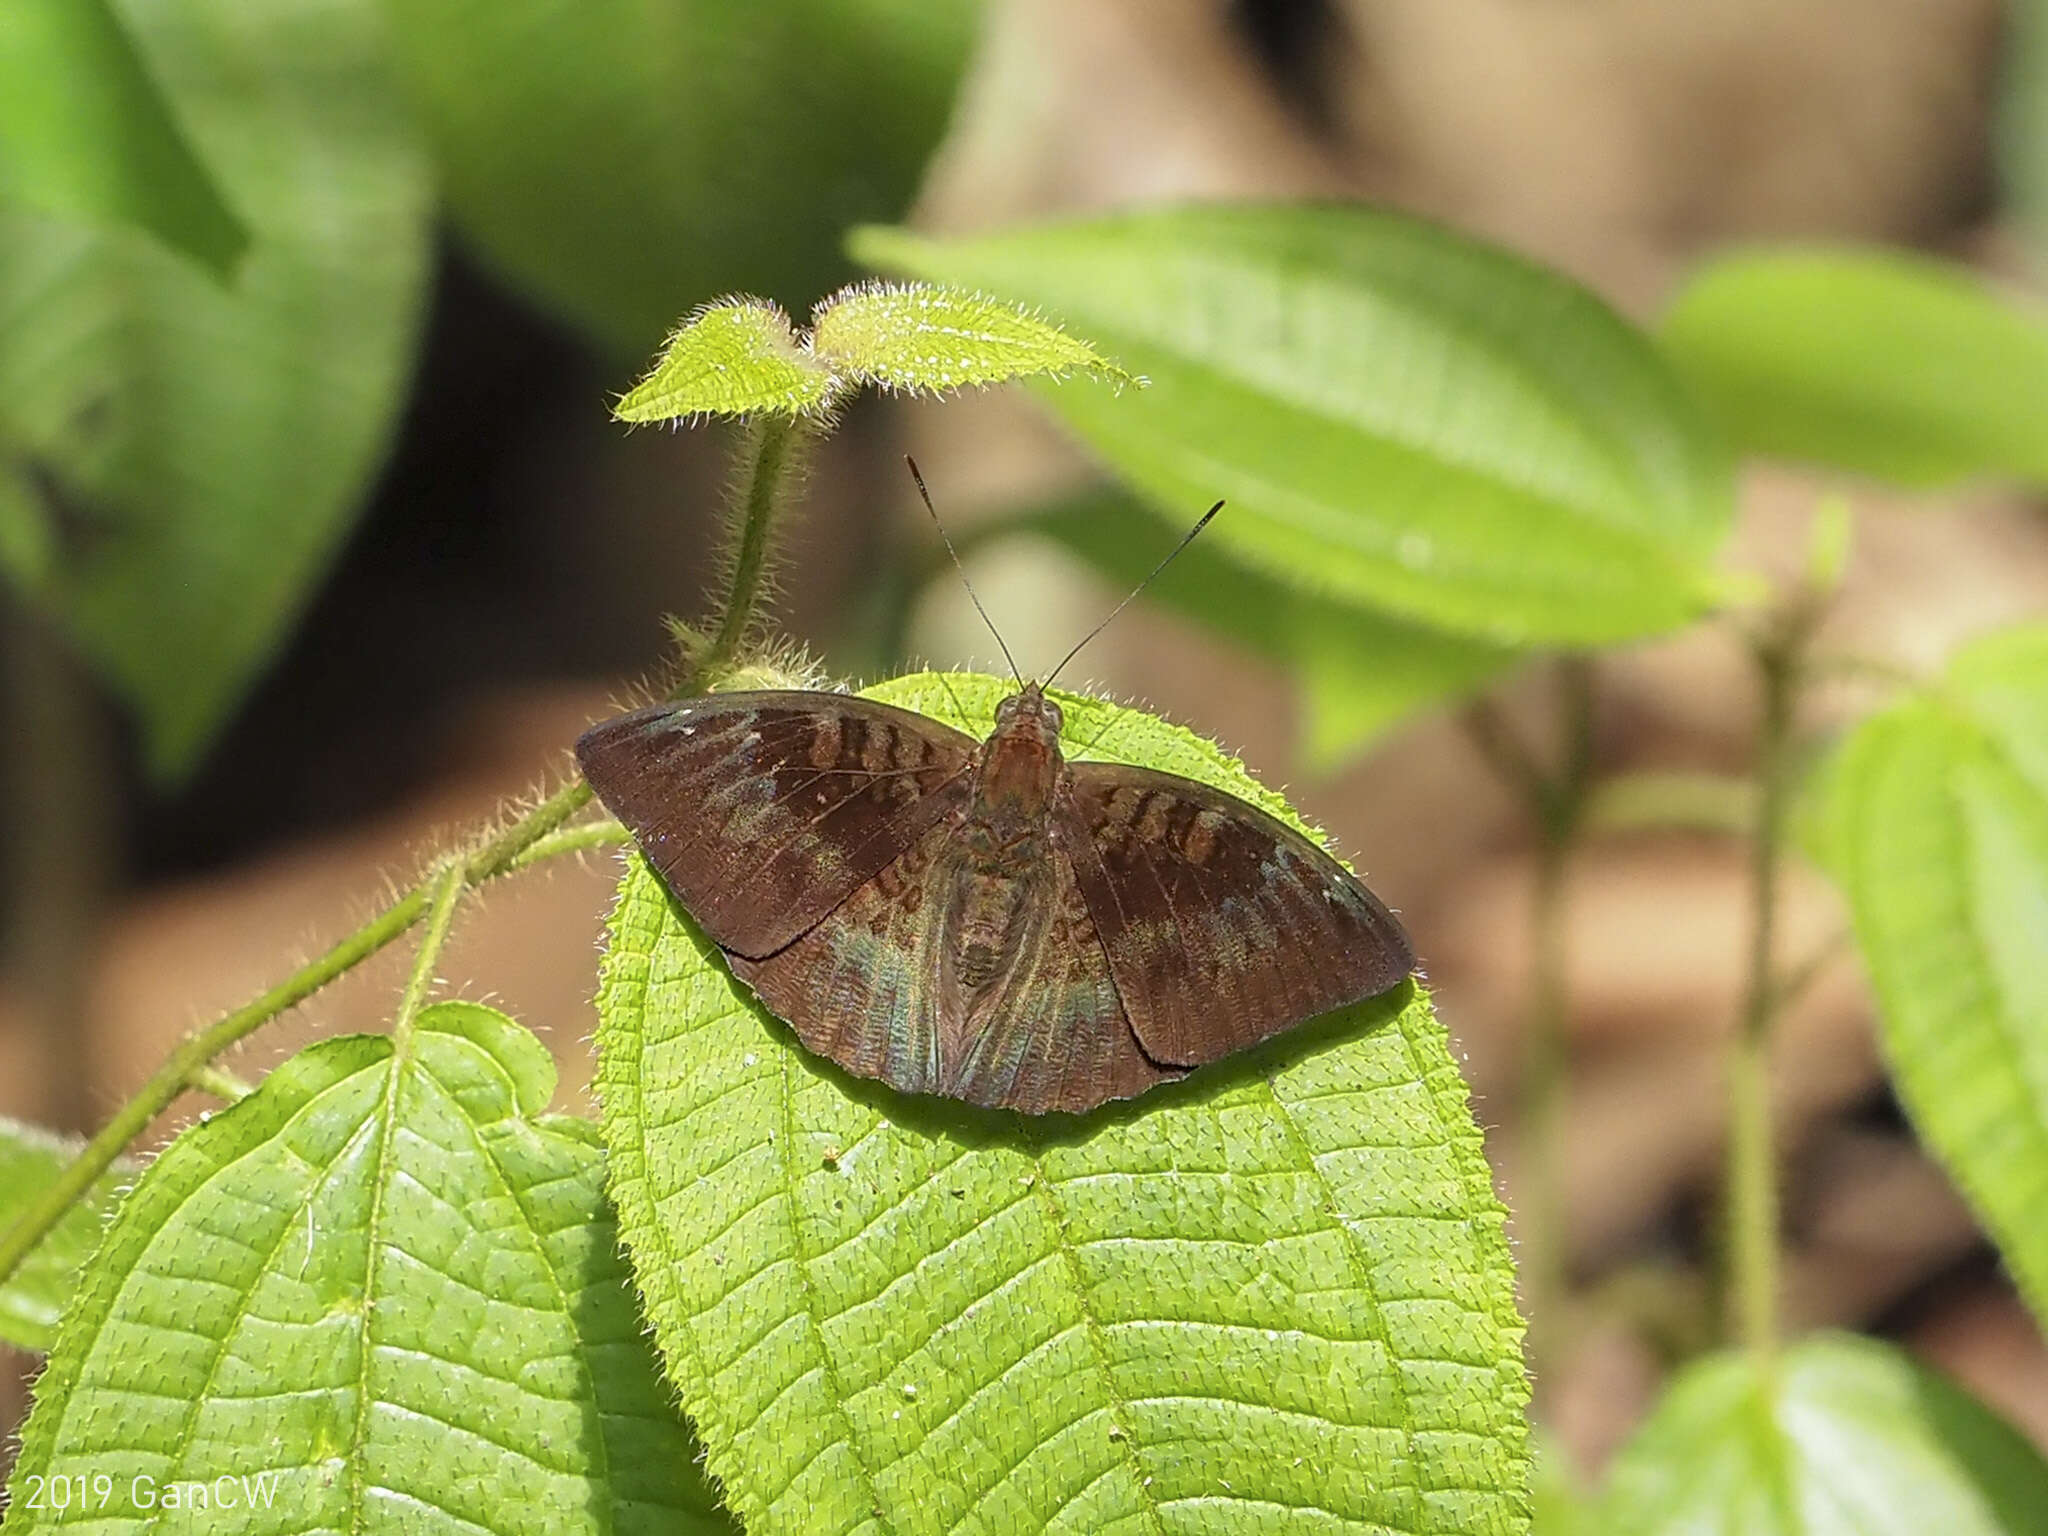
972, 595
1185, 540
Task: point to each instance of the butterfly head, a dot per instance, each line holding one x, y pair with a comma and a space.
1020, 761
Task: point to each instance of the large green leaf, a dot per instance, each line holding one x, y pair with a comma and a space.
1400, 418
1935, 819
1875, 361
1274, 1297
386, 1285
1361, 672
34, 1294
627, 159
85, 132
210, 441
1847, 1437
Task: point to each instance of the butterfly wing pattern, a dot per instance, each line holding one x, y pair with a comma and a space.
764, 811
1223, 925
986, 921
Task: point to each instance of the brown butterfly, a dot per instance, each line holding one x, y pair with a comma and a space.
986, 920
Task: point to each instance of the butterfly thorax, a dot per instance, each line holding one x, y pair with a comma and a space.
1000, 847
1018, 770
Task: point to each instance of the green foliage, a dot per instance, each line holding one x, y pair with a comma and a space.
1561, 1505
735, 358
1891, 365
926, 340
390, 1283
2024, 120
1400, 418
1846, 1437
1361, 673
739, 357
208, 443
1934, 817
85, 133
34, 1295
611, 155
27, 541
1274, 1297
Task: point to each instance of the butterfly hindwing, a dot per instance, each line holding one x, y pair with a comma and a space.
871, 987
764, 811
1051, 1032
861, 986
1222, 925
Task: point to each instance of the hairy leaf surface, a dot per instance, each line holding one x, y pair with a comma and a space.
1274, 1297
387, 1289
925, 339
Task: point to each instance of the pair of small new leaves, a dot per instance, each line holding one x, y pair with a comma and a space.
742, 357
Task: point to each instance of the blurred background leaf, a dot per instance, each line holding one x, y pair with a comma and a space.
1846, 1437
1401, 418
32, 1297
1934, 817
1888, 364
85, 133
689, 148
206, 444
1360, 672
27, 541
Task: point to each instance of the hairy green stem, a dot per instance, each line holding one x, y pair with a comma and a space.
777, 449
1752, 1217
181, 1069
221, 1083
448, 888
517, 845
580, 838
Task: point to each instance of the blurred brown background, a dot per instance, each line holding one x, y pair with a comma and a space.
510, 577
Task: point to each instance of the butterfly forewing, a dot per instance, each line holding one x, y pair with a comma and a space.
765, 811
1222, 925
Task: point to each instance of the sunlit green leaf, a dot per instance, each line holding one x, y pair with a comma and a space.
1848, 1437
1273, 1297
1399, 417
84, 132
208, 442
625, 159
1361, 672
1891, 365
1934, 816
736, 358
385, 1290
927, 340
33, 1296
